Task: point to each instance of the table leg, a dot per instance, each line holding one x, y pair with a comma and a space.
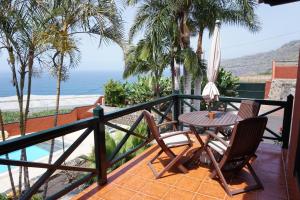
194, 131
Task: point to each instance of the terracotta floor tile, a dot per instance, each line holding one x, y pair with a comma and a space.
138, 182
203, 197
155, 189
273, 189
104, 189
198, 173
175, 193
212, 189
139, 196
242, 180
270, 196
118, 193
145, 173
133, 183
122, 179
243, 196
189, 184
170, 178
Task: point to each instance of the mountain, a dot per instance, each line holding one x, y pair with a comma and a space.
261, 63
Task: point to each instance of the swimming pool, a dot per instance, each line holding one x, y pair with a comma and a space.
33, 153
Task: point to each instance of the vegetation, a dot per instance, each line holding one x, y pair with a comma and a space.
119, 94
43, 34
13, 116
142, 90
168, 27
227, 83
114, 92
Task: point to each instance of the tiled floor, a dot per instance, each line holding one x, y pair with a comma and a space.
135, 181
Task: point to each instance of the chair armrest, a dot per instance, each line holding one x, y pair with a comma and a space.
217, 138
166, 123
170, 134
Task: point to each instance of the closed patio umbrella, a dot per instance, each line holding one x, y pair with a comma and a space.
210, 91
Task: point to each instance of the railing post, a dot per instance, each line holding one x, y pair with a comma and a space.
100, 149
176, 110
286, 124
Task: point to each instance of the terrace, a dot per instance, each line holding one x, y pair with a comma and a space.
135, 180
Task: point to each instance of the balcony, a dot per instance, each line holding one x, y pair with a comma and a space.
134, 180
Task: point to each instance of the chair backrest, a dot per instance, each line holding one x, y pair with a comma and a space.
154, 131
246, 136
248, 109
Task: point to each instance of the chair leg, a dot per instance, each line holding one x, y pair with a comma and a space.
157, 155
249, 188
218, 171
169, 165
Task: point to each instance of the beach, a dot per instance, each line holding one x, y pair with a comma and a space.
47, 102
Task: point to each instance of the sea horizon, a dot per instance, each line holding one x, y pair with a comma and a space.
83, 82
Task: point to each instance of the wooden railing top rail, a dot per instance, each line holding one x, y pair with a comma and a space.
45, 135
135, 108
238, 100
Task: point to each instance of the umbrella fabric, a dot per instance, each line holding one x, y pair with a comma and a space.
210, 90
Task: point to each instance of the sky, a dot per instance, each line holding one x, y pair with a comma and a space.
280, 24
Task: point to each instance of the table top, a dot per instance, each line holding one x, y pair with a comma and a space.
200, 118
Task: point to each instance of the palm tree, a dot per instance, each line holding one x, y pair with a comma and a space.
11, 178
146, 58
20, 28
69, 19
204, 14
160, 21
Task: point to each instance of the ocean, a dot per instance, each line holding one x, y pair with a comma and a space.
79, 83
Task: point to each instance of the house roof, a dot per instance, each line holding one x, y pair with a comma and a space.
276, 2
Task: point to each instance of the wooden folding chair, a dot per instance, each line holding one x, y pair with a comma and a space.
248, 109
235, 154
166, 141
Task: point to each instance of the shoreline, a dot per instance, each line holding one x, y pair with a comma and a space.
47, 102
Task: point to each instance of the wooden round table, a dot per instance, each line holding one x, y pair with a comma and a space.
201, 119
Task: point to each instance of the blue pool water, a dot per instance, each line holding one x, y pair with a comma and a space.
33, 153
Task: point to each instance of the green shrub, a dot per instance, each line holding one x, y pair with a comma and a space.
142, 90
139, 91
3, 197
114, 93
226, 82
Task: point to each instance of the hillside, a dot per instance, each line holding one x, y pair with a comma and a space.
262, 62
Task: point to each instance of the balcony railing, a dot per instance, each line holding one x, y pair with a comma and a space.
172, 105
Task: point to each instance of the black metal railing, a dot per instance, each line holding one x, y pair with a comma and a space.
172, 104
287, 106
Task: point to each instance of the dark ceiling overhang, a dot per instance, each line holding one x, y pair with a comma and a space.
276, 2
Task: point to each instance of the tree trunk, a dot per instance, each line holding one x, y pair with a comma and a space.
187, 88
173, 74
177, 76
199, 50
199, 77
197, 91
30, 68
12, 183
185, 43
19, 86
58, 84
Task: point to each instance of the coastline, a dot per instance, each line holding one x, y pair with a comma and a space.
47, 102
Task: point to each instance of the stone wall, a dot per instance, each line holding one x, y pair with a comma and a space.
281, 88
